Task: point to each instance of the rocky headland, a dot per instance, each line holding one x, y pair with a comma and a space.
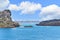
6, 21
54, 22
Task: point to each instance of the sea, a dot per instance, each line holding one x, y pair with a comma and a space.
30, 33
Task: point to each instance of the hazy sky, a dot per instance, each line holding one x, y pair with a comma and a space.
32, 9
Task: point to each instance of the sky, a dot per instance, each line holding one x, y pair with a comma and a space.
37, 10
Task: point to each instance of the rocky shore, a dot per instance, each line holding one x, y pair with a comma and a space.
6, 21
54, 22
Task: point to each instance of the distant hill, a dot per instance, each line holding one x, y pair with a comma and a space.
54, 22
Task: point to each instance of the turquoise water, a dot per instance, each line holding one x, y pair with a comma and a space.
34, 33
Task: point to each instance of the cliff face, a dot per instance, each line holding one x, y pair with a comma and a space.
55, 22
5, 19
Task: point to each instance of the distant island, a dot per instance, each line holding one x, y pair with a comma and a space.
6, 21
54, 22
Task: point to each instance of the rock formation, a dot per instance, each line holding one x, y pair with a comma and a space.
55, 22
6, 21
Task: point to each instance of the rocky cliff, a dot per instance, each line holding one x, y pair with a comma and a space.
5, 19
55, 22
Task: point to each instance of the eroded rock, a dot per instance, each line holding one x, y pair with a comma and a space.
5, 19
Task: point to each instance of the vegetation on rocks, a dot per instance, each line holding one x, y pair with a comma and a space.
54, 22
5, 19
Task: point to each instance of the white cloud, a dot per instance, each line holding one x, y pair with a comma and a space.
13, 7
26, 7
46, 13
3, 4
50, 12
29, 7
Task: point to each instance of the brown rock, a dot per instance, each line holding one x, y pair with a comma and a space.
6, 21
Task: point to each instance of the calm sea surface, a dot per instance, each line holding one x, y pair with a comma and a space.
34, 33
